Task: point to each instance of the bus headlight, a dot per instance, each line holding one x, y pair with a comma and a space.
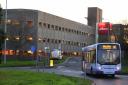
99, 67
118, 68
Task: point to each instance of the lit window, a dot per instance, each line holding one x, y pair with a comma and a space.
29, 24
30, 52
11, 52
17, 37
40, 51
39, 39
8, 21
17, 52
29, 38
7, 38
15, 22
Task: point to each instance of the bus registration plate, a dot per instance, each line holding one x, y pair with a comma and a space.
108, 72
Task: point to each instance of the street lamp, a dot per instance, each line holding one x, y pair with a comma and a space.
5, 30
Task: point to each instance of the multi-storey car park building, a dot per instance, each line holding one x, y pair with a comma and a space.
33, 30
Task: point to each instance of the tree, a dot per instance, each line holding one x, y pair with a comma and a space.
1, 14
2, 37
2, 34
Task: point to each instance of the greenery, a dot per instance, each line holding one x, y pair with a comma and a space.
2, 34
15, 63
61, 60
16, 77
125, 69
125, 63
0, 14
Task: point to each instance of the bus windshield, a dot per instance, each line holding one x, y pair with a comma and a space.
105, 56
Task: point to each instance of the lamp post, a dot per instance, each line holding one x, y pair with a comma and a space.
5, 30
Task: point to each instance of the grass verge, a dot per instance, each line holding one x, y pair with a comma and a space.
16, 77
14, 63
18, 63
125, 69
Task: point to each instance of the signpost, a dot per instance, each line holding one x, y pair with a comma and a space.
33, 49
47, 50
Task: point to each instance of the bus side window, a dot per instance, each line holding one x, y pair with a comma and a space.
93, 56
87, 57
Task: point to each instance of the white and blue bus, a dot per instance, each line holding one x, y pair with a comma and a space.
102, 58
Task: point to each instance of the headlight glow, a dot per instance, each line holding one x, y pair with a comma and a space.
99, 67
118, 68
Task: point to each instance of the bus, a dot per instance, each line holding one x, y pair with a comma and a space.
102, 58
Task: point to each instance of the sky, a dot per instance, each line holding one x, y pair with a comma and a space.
114, 11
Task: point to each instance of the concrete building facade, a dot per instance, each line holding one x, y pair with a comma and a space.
94, 16
33, 30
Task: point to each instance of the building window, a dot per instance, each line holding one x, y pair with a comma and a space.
39, 39
48, 25
44, 24
52, 26
17, 38
29, 38
48, 40
72, 30
69, 30
40, 24
68, 42
44, 40
56, 27
59, 28
9, 21
14, 22
29, 24
56, 41
52, 40
59, 41
75, 31
7, 38
66, 29
62, 28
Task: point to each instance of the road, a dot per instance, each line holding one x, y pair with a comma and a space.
72, 67
118, 80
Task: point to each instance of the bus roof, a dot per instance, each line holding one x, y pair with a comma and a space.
91, 47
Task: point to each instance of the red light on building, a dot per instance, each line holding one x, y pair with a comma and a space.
104, 27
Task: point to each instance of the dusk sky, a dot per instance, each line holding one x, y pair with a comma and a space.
76, 10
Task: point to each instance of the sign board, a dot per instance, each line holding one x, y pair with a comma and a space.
104, 27
57, 54
33, 49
